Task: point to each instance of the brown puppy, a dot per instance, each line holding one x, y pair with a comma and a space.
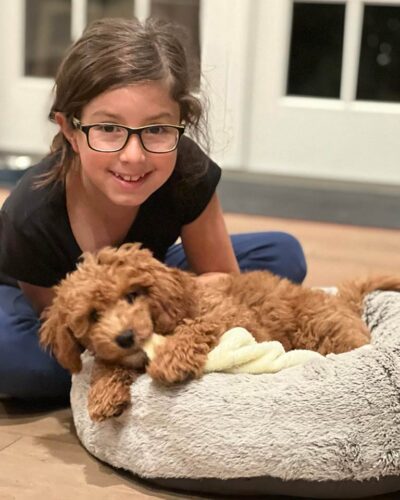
118, 298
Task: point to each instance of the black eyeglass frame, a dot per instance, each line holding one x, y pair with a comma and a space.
131, 131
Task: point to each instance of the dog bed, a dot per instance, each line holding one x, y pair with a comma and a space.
329, 428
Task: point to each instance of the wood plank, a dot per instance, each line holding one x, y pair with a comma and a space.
36, 468
29, 419
7, 438
334, 252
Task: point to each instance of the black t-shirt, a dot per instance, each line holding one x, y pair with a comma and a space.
36, 240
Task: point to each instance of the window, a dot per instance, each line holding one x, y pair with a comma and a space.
379, 70
48, 27
316, 48
47, 35
96, 9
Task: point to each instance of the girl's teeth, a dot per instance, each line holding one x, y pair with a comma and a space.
129, 178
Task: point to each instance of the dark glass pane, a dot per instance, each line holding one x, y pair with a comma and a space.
186, 14
96, 9
47, 35
379, 71
315, 62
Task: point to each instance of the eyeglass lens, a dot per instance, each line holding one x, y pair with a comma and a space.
157, 139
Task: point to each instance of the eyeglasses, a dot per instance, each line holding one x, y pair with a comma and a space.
111, 137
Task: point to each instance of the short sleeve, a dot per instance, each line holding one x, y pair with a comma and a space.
194, 181
196, 200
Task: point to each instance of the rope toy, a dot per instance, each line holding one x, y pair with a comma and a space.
238, 352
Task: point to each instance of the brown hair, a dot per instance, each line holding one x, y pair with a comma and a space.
115, 52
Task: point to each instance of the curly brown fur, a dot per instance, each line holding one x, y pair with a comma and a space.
111, 305
118, 298
109, 395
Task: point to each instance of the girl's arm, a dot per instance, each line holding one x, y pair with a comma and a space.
39, 296
206, 242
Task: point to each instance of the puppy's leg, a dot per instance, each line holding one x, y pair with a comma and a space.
332, 331
109, 393
349, 334
184, 353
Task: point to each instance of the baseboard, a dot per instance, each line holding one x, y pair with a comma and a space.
361, 204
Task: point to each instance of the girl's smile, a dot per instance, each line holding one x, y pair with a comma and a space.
131, 181
129, 176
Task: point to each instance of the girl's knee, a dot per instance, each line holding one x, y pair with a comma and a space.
27, 379
290, 257
277, 252
26, 370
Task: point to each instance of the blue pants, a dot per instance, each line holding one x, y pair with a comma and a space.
26, 371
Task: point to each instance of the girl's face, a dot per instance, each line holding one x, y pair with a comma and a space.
127, 177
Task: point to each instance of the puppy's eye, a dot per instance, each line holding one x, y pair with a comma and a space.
131, 296
94, 316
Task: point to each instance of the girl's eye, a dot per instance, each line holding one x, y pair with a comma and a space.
94, 316
108, 129
156, 130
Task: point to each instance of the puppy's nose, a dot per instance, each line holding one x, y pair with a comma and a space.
125, 339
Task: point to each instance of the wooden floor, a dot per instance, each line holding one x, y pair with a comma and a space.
40, 456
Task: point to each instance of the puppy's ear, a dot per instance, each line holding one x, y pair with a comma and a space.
55, 335
171, 298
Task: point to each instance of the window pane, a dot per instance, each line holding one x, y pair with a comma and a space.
315, 62
96, 9
47, 35
379, 72
185, 13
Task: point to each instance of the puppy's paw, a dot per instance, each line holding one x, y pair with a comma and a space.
168, 368
106, 401
99, 413
168, 375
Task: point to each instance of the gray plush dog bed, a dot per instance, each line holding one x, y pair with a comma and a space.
327, 429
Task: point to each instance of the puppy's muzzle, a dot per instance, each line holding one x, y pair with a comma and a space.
125, 339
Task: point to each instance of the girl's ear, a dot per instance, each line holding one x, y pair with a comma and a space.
66, 129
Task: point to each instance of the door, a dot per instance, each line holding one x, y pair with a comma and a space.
326, 90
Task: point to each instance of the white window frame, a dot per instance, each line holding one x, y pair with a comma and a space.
353, 25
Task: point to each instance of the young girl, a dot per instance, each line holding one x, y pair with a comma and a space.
120, 170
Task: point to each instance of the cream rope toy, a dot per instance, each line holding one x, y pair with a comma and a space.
238, 352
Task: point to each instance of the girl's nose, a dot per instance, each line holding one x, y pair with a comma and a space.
133, 150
